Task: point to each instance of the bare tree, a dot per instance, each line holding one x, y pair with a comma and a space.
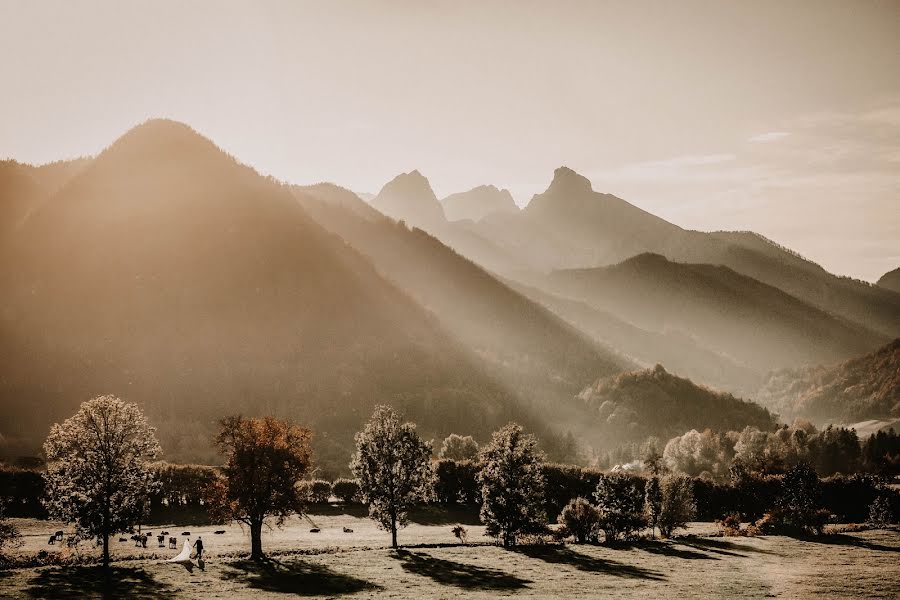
266, 460
99, 474
393, 466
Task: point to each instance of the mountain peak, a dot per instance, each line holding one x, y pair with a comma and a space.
160, 137
478, 203
565, 179
409, 196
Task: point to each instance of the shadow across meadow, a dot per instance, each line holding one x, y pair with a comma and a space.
95, 582
295, 577
583, 562
461, 575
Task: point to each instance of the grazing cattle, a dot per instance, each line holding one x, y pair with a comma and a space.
347, 530
59, 536
143, 541
161, 540
185, 533
52, 539
165, 533
173, 543
219, 531
315, 530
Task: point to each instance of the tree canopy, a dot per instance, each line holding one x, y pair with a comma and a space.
266, 458
393, 466
99, 474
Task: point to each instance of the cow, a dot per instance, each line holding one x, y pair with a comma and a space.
173, 543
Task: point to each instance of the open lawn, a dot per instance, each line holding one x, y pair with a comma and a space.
333, 564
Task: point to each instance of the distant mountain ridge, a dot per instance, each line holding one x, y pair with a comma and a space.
478, 203
753, 323
572, 226
864, 388
890, 280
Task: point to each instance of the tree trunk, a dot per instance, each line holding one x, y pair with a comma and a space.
256, 540
106, 536
393, 529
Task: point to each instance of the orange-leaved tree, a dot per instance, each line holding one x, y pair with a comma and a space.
266, 459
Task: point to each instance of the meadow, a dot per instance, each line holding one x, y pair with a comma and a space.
433, 564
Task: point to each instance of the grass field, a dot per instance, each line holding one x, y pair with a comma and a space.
333, 563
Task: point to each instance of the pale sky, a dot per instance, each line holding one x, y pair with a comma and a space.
781, 117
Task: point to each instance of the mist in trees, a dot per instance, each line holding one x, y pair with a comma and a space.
266, 458
99, 475
393, 467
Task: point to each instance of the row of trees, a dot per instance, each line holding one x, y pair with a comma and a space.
101, 477
829, 451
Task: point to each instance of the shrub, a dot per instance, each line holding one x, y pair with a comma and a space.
880, 514
346, 490
564, 483
621, 504
677, 507
731, 525
652, 502
798, 509
456, 482
581, 520
461, 534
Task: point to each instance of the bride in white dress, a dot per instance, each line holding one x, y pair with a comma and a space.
185, 555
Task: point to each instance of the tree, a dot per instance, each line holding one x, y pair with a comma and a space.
798, 508
512, 485
266, 458
458, 447
677, 506
621, 506
316, 491
347, 490
99, 474
653, 502
393, 466
580, 519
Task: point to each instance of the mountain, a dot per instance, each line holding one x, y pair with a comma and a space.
167, 273
536, 355
864, 388
478, 202
629, 407
409, 197
24, 187
890, 280
681, 353
572, 226
752, 323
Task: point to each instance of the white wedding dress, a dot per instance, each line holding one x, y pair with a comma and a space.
184, 555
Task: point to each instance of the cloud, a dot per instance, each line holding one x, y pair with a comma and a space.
770, 136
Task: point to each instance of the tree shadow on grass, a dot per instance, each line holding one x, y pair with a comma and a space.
295, 577
583, 562
94, 582
667, 549
841, 539
447, 572
722, 547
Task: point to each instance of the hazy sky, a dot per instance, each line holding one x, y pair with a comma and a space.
782, 117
